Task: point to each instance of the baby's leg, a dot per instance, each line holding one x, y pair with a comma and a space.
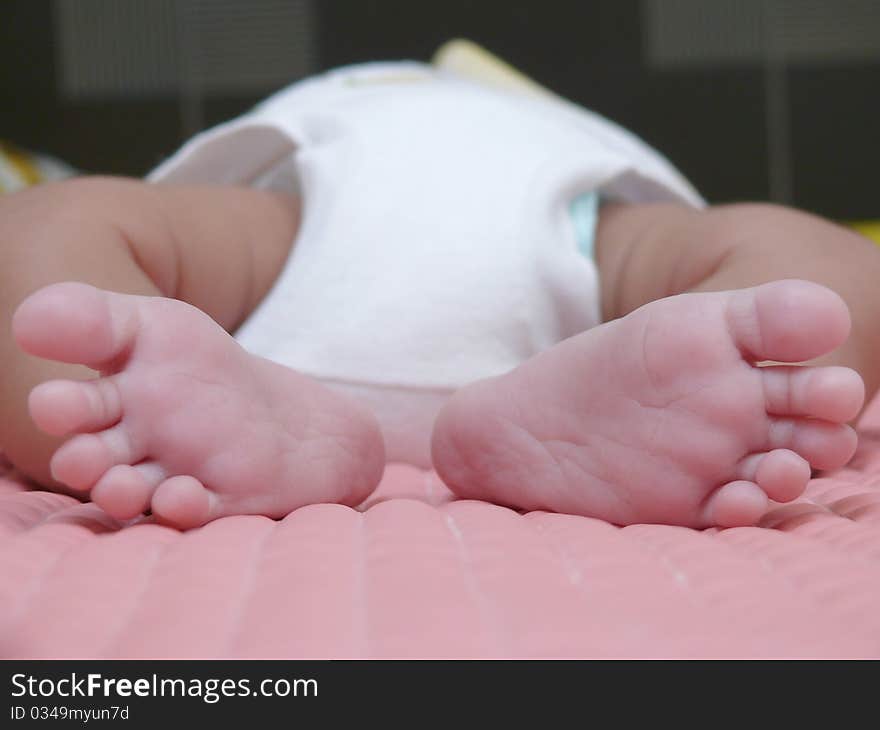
52, 233
654, 251
662, 414
182, 420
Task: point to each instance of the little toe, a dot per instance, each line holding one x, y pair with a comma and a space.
125, 491
787, 321
824, 445
183, 502
831, 393
81, 462
60, 407
76, 323
782, 474
736, 504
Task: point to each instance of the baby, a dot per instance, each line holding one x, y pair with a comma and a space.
401, 262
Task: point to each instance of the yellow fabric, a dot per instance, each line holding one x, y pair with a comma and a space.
871, 229
20, 168
20, 163
468, 59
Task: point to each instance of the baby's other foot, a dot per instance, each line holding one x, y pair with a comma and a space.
663, 416
183, 421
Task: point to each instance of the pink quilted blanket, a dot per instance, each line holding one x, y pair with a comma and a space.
414, 572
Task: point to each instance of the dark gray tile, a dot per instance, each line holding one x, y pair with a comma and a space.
124, 138
27, 68
835, 127
217, 110
710, 124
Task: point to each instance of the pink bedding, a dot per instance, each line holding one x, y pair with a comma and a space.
414, 572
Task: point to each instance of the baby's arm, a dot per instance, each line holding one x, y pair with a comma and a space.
218, 248
647, 252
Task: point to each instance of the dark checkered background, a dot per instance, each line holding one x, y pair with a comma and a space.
752, 99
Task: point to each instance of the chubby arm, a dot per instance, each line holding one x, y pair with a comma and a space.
651, 251
217, 247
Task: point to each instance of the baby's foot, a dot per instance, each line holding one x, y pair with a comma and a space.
182, 420
663, 416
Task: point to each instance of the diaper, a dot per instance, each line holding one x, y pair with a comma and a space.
446, 231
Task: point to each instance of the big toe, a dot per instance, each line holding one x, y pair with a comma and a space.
787, 321
75, 323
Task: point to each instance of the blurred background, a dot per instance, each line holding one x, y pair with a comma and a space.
751, 99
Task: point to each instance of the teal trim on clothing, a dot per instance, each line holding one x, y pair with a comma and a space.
584, 210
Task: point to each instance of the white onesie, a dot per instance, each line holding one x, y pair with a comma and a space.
437, 245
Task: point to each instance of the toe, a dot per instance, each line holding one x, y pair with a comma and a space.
781, 474
183, 502
824, 445
125, 491
76, 323
831, 393
787, 321
81, 462
60, 407
736, 504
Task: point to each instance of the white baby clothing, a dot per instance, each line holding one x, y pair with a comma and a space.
442, 238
